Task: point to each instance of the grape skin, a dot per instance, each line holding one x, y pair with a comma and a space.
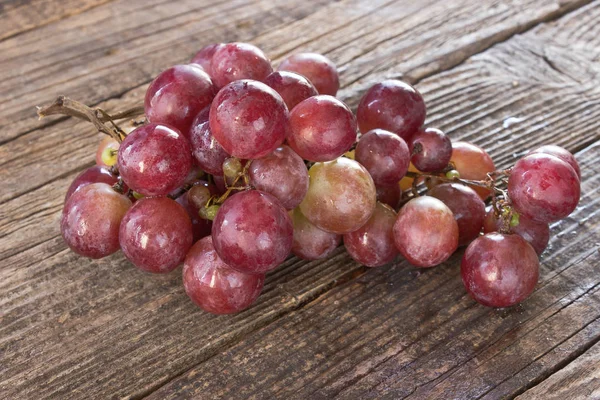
474, 163
310, 242
293, 88
500, 270
93, 174
155, 234
373, 243
105, 143
561, 153
215, 287
208, 153
341, 196
252, 232
249, 119
282, 174
204, 57
322, 128
536, 233
385, 155
90, 220
390, 195
317, 68
236, 61
425, 232
543, 187
435, 150
200, 227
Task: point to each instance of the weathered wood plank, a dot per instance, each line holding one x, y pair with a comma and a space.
578, 380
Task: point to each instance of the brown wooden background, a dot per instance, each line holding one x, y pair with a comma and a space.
508, 75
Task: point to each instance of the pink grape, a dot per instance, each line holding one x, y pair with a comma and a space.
373, 243
536, 233
392, 105
215, 287
177, 95
93, 174
293, 88
154, 159
90, 220
543, 187
208, 153
341, 196
472, 162
252, 232
200, 226
561, 153
434, 150
106, 143
310, 242
249, 119
204, 57
155, 235
318, 69
322, 128
390, 195
235, 61
385, 155
467, 207
500, 270
282, 174
425, 232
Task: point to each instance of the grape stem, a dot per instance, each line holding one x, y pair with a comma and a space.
97, 116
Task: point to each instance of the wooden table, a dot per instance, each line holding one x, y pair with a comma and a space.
507, 75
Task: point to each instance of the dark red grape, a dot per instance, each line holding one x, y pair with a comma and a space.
215, 287
310, 242
467, 207
500, 270
200, 226
561, 153
235, 61
177, 95
318, 69
155, 235
536, 233
385, 155
392, 105
432, 150
341, 196
373, 243
425, 232
543, 187
292, 87
204, 57
249, 119
390, 195
282, 174
208, 153
322, 128
93, 174
90, 220
104, 154
154, 160
252, 232
474, 163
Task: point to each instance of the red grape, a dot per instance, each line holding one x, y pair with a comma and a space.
373, 243
215, 287
385, 155
391, 105
90, 220
561, 153
292, 87
536, 233
434, 150
177, 95
341, 196
235, 61
93, 174
318, 69
425, 232
282, 174
322, 128
500, 270
472, 162
204, 57
543, 187
154, 160
207, 152
390, 195
106, 143
310, 242
156, 234
467, 207
200, 227
252, 232
249, 119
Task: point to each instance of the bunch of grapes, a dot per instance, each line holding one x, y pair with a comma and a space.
237, 166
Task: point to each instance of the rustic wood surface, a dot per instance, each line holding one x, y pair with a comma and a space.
507, 75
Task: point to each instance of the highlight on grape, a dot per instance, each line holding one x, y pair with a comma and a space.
235, 166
